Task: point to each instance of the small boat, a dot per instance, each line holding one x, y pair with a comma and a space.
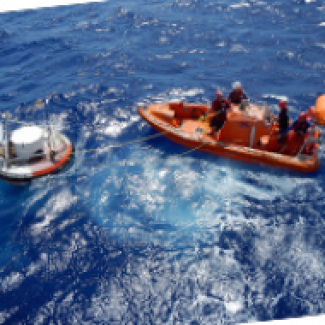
250, 133
30, 152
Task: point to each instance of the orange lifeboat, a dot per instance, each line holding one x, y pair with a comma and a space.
250, 134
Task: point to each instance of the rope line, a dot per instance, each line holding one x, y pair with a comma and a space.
19, 122
122, 144
141, 161
107, 147
125, 144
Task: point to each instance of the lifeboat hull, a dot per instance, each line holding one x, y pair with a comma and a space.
191, 132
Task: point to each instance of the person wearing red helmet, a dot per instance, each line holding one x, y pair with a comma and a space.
219, 109
283, 116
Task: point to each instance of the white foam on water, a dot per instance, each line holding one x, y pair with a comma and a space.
52, 209
115, 128
279, 97
181, 93
11, 281
240, 5
238, 48
234, 306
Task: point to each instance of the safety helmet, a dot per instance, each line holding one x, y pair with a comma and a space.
219, 94
283, 104
236, 85
302, 117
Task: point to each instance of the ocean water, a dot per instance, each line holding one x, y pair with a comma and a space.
139, 234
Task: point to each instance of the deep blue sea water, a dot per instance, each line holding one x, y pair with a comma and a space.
136, 235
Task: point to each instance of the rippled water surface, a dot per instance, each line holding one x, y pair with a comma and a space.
137, 234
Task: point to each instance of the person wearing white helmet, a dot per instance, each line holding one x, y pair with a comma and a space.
237, 94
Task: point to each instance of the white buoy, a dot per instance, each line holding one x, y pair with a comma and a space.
31, 152
27, 141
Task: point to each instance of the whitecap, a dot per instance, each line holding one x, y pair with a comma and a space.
279, 97
81, 25
53, 208
238, 48
99, 30
4, 315
234, 306
11, 281
240, 5
163, 39
221, 44
186, 93
166, 56
115, 128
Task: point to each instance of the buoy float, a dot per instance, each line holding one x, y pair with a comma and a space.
30, 152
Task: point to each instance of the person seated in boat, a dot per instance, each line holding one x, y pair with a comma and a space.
237, 95
283, 120
218, 112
